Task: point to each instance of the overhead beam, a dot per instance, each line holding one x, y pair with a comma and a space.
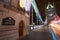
36, 10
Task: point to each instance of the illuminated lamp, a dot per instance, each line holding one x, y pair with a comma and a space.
22, 3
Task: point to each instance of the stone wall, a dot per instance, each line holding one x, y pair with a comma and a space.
8, 32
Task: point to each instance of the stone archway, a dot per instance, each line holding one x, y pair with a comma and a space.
21, 26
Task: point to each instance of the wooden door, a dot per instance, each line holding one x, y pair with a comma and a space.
21, 25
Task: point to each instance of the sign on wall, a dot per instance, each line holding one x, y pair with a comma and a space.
8, 21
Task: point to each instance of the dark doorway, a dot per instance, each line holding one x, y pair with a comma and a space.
21, 26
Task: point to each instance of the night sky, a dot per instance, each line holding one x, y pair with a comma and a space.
41, 6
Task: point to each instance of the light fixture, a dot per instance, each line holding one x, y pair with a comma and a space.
22, 3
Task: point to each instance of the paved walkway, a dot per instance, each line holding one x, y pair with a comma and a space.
38, 35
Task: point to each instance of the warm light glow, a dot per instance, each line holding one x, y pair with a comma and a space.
56, 28
22, 3
55, 25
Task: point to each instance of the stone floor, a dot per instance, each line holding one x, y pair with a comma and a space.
38, 35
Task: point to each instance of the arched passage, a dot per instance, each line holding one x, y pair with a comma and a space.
21, 26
